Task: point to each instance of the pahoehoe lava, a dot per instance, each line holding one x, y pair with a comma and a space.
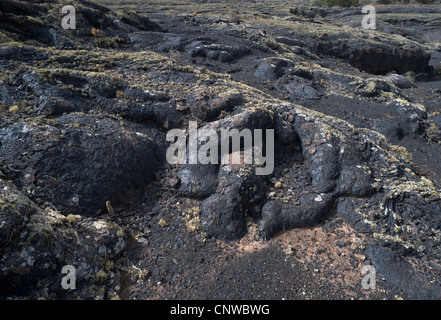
84, 120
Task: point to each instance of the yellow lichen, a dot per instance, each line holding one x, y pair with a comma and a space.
163, 223
101, 276
393, 239
192, 219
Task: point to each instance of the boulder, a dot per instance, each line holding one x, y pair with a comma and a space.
48, 242
401, 274
277, 216
208, 108
400, 81
239, 192
81, 161
273, 68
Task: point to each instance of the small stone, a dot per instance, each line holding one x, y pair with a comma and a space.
318, 198
360, 257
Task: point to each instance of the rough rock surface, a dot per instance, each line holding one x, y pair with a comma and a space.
84, 179
84, 159
36, 244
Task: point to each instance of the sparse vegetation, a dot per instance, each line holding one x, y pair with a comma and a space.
192, 219
163, 223
82, 122
433, 133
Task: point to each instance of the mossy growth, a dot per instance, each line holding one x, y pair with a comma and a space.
101, 276
8, 204
163, 222
393, 239
192, 219
4, 38
425, 188
401, 151
14, 109
70, 218
358, 244
119, 94
114, 296
109, 42
40, 228
433, 133
253, 228
137, 274
108, 265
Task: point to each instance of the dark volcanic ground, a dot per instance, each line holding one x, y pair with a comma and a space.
84, 119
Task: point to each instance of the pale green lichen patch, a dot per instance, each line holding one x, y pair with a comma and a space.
7, 204
424, 187
394, 239
192, 219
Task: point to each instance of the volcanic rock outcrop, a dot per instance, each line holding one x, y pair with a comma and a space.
85, 114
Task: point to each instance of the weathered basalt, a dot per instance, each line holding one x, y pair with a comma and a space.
81, 161
84, 180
